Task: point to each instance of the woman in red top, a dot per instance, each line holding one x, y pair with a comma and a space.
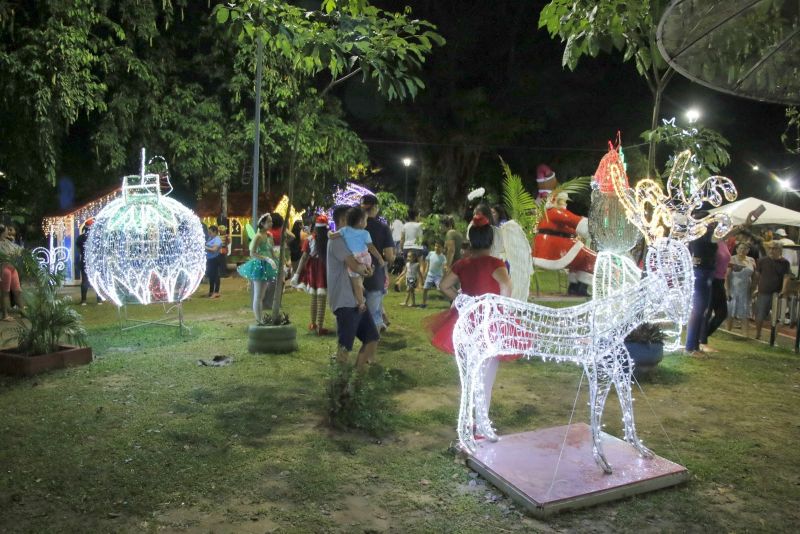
478, 275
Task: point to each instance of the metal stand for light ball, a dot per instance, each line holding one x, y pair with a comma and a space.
126, 323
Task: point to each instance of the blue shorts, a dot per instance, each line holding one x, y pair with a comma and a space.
352, 324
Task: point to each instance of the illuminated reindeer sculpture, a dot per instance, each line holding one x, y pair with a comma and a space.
592, 334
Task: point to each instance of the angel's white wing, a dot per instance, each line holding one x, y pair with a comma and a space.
517, 251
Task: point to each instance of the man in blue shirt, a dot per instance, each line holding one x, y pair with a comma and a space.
375, 285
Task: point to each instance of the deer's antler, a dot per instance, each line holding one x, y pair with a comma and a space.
655, 212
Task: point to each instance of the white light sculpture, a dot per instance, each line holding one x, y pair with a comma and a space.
53, 259
591, 334
145, 247
350, 195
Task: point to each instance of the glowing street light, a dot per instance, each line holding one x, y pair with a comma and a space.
692, 115
785, 184
755, 167
406, 163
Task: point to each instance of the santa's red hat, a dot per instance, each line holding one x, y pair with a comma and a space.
545, 180
544, 173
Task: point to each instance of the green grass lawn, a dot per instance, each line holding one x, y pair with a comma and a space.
145, 440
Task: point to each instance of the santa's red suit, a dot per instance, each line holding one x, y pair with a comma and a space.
556, 247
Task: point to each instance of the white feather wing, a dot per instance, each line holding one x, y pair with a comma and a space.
518, 254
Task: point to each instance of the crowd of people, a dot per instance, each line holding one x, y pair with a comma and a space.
737, 279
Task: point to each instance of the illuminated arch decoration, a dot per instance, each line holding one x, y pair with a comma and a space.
592, 334
145, 247
350, 195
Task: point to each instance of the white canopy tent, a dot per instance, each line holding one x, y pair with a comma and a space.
775, 215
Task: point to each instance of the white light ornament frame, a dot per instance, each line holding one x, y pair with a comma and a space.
144, 247
52, 259
592, 334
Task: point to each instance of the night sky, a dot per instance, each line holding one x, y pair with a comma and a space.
572, 113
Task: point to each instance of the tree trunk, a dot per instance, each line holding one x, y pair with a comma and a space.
457, 169
278, 298
224, 198
651, 153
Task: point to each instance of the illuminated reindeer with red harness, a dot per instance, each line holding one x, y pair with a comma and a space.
592, 334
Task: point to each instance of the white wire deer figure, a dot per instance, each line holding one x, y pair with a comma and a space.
592, 334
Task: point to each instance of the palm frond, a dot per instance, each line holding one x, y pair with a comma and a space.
520, 204
516, 198
575, 186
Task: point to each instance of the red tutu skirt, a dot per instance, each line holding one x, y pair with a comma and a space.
441, 325
313, 279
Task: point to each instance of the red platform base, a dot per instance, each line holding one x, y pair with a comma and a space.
527, 468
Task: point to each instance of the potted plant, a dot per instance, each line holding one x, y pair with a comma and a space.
645, 344
46, 324
272, 338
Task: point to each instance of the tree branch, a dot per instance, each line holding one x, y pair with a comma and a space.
339, 80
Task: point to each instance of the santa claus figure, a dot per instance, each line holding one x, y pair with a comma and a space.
556, 245
545, 181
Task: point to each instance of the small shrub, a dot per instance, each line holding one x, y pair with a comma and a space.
283, 318
359, 401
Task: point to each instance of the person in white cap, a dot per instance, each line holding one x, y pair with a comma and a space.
788, 253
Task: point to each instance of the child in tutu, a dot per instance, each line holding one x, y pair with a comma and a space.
310, 273
360, 244
478, 273
261, 268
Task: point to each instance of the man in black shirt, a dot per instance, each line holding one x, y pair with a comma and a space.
773, 275
374, 286
81, 245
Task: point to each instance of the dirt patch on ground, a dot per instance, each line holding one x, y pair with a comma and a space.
213, 517
361, 513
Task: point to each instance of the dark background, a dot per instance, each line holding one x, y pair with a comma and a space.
498, 84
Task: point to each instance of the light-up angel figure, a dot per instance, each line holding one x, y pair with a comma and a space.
145, 247
592, 334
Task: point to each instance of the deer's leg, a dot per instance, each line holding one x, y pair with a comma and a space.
486, 371
622, 381
599, 386
466, 418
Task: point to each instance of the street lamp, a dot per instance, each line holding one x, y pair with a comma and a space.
755, 167
786, 185
692, 115
406, 163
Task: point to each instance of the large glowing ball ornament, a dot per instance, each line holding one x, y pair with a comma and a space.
145, 247
609, 226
